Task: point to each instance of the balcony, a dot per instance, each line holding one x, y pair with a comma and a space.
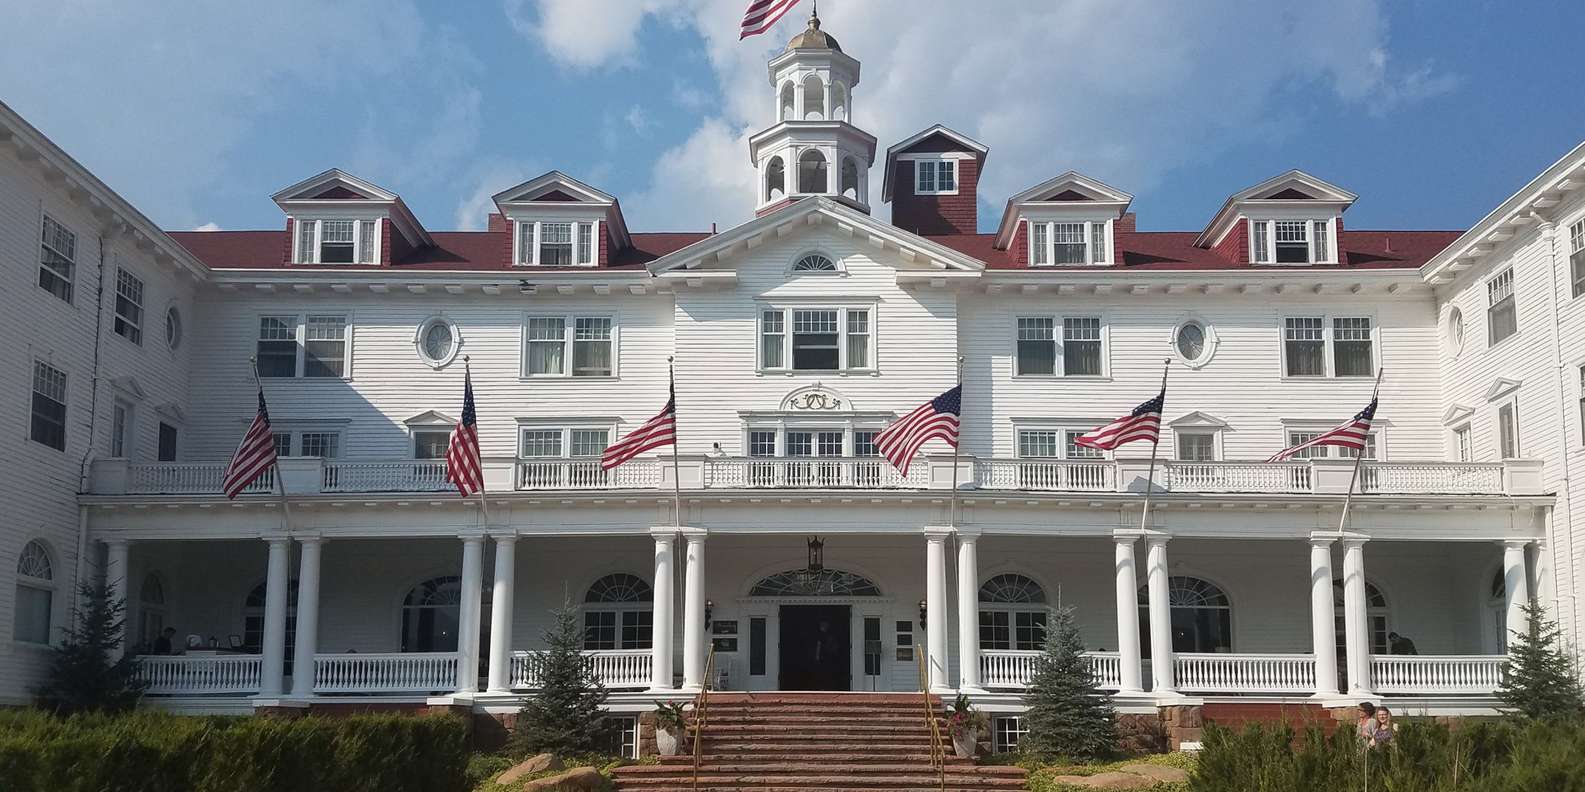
309, 476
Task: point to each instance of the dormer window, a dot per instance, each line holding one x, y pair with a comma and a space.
337, 241
1291, 242
935, 177
555, 244
1067, 244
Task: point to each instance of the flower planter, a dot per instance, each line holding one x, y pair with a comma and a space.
964, 744
667, 742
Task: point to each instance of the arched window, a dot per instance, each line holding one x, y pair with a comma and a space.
825, 583
151, 609
1202, 616
775, 179
618, 613
253, 620
814, 262
785, 106
1376, 628
814, 99
812, 172
850, 178
432, 615
839, 102
1012, 613
35, 594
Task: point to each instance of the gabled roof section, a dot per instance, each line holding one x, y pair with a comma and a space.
1501, 387
555, 187
1197, 419
1457, 414
1068, 189
949, 136
715, 251
430, 418
1293, 186
336, 185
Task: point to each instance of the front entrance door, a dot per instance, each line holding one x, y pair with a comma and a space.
815, 647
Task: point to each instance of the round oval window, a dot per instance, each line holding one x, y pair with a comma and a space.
1455, 330
173, 328
437, 342
1191, 341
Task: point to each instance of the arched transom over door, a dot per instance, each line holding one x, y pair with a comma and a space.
432, 615
825, 583
1202, 616
1012, 613
618, 613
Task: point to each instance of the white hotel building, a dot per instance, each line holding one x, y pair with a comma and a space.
796, 336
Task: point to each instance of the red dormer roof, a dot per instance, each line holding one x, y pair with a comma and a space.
462, 251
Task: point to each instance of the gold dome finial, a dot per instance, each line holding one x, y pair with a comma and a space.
813, 37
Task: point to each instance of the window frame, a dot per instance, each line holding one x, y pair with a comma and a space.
837, 267
423, 329
47, 585
1375, 441
1462, 438
938, 165
1047, 257
1059, 345
129, 288
443, 430
1508, 433
566, 430
1064, 431
294, 437
159, 441
1208, 342
300, 338
530, 255
1214, 436
311, 250
1328, 345
64, 400
47, 244
787, 333
1261, 237
569, 340
1512, 299
1576, 258
123, 433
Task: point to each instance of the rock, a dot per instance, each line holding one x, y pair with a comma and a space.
578, 779
1156, 773
533, 764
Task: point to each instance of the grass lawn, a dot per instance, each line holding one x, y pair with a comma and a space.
483, 769
1042, 777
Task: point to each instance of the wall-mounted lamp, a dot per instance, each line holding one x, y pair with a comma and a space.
924, 611
817, 553
709, 608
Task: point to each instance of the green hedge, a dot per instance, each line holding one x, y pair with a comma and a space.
1507, 756
159, 752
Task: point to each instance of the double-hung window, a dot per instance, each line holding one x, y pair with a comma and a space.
57, 259
1291, 242
1351, 350
1070, 243
129, 306
49, 406
310, 443
555, 244
1508, 430
1463, 444
322, 353
1576, 256
1319, 346
1079, 351
337, 241
817, 339
120, 429
935, 177
168, 437
554, 457
591, 341
1298, 436
1502, 315
1042, 446
1195, 446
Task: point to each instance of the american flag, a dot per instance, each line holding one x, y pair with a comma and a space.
1144, 423
761, 14
656, 432
254, 456
937, 418
463, 467
1349, 434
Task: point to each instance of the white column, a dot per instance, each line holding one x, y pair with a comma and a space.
1128, 616
501, 614
468, 614
307, 642
1355, 637
1162, 671
273, 663
1516, 587
693, 612
936, 607
661, 630
117, 557
968, 611
1323, 628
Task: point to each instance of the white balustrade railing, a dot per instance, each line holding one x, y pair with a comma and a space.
811, 473
615, 668
1445, 478
1438, 674
187, 478
585, 474
1055, 475
1013, 668
416, 476
195, 675
404, 672
1238, 476
1245, 673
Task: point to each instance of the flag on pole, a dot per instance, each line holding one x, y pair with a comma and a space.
937, 418
1144, 423
463, 466
761, 15
254, 456
1349, 434
656, 432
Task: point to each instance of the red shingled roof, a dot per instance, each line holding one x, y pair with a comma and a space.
1175, 250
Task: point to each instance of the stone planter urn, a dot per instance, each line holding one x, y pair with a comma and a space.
964, 743
668, 742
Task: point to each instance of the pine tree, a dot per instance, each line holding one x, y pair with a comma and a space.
83, 677
566, 717
1068, 715
1539, 681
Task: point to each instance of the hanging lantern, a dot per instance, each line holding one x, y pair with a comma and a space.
816, 555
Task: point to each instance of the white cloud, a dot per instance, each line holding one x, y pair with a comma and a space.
586, 33
208, 227
483, 182
638, 120
1124, 92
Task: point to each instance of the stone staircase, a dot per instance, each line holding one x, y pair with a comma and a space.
783, 742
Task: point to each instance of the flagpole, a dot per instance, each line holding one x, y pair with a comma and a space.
279, 484
1150, 477
676, 480
467, 384
957, 447
1359, 460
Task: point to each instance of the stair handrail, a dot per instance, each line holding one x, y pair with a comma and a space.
701, 706
938, 760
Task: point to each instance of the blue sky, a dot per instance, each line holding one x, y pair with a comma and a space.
1432, 112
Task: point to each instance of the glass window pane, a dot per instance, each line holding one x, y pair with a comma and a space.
1304, 347
589, 442
1262, 243
1037, 443
277, 346
1081, 346
1068, 243
585, 243
858, 340
1038, 253
814, 340
1293, 247
32, 614
1073, 450
541, 443
1098, 242
1351, 348
1037, 346
772, 333
325, 346
335, 241
591, 347
555, 244
546, 343
366, 229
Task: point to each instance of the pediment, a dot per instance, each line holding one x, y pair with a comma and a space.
173, 411
1070, 187
1197, 420
1295, 185
1457, 414
430, 418
1501, 387
334, 185
553, 187
128, 386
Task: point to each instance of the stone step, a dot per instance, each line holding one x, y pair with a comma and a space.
821, 780
770, 726
803, 716
825, 768
688, 787
816, 748
810, 758
865, 699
